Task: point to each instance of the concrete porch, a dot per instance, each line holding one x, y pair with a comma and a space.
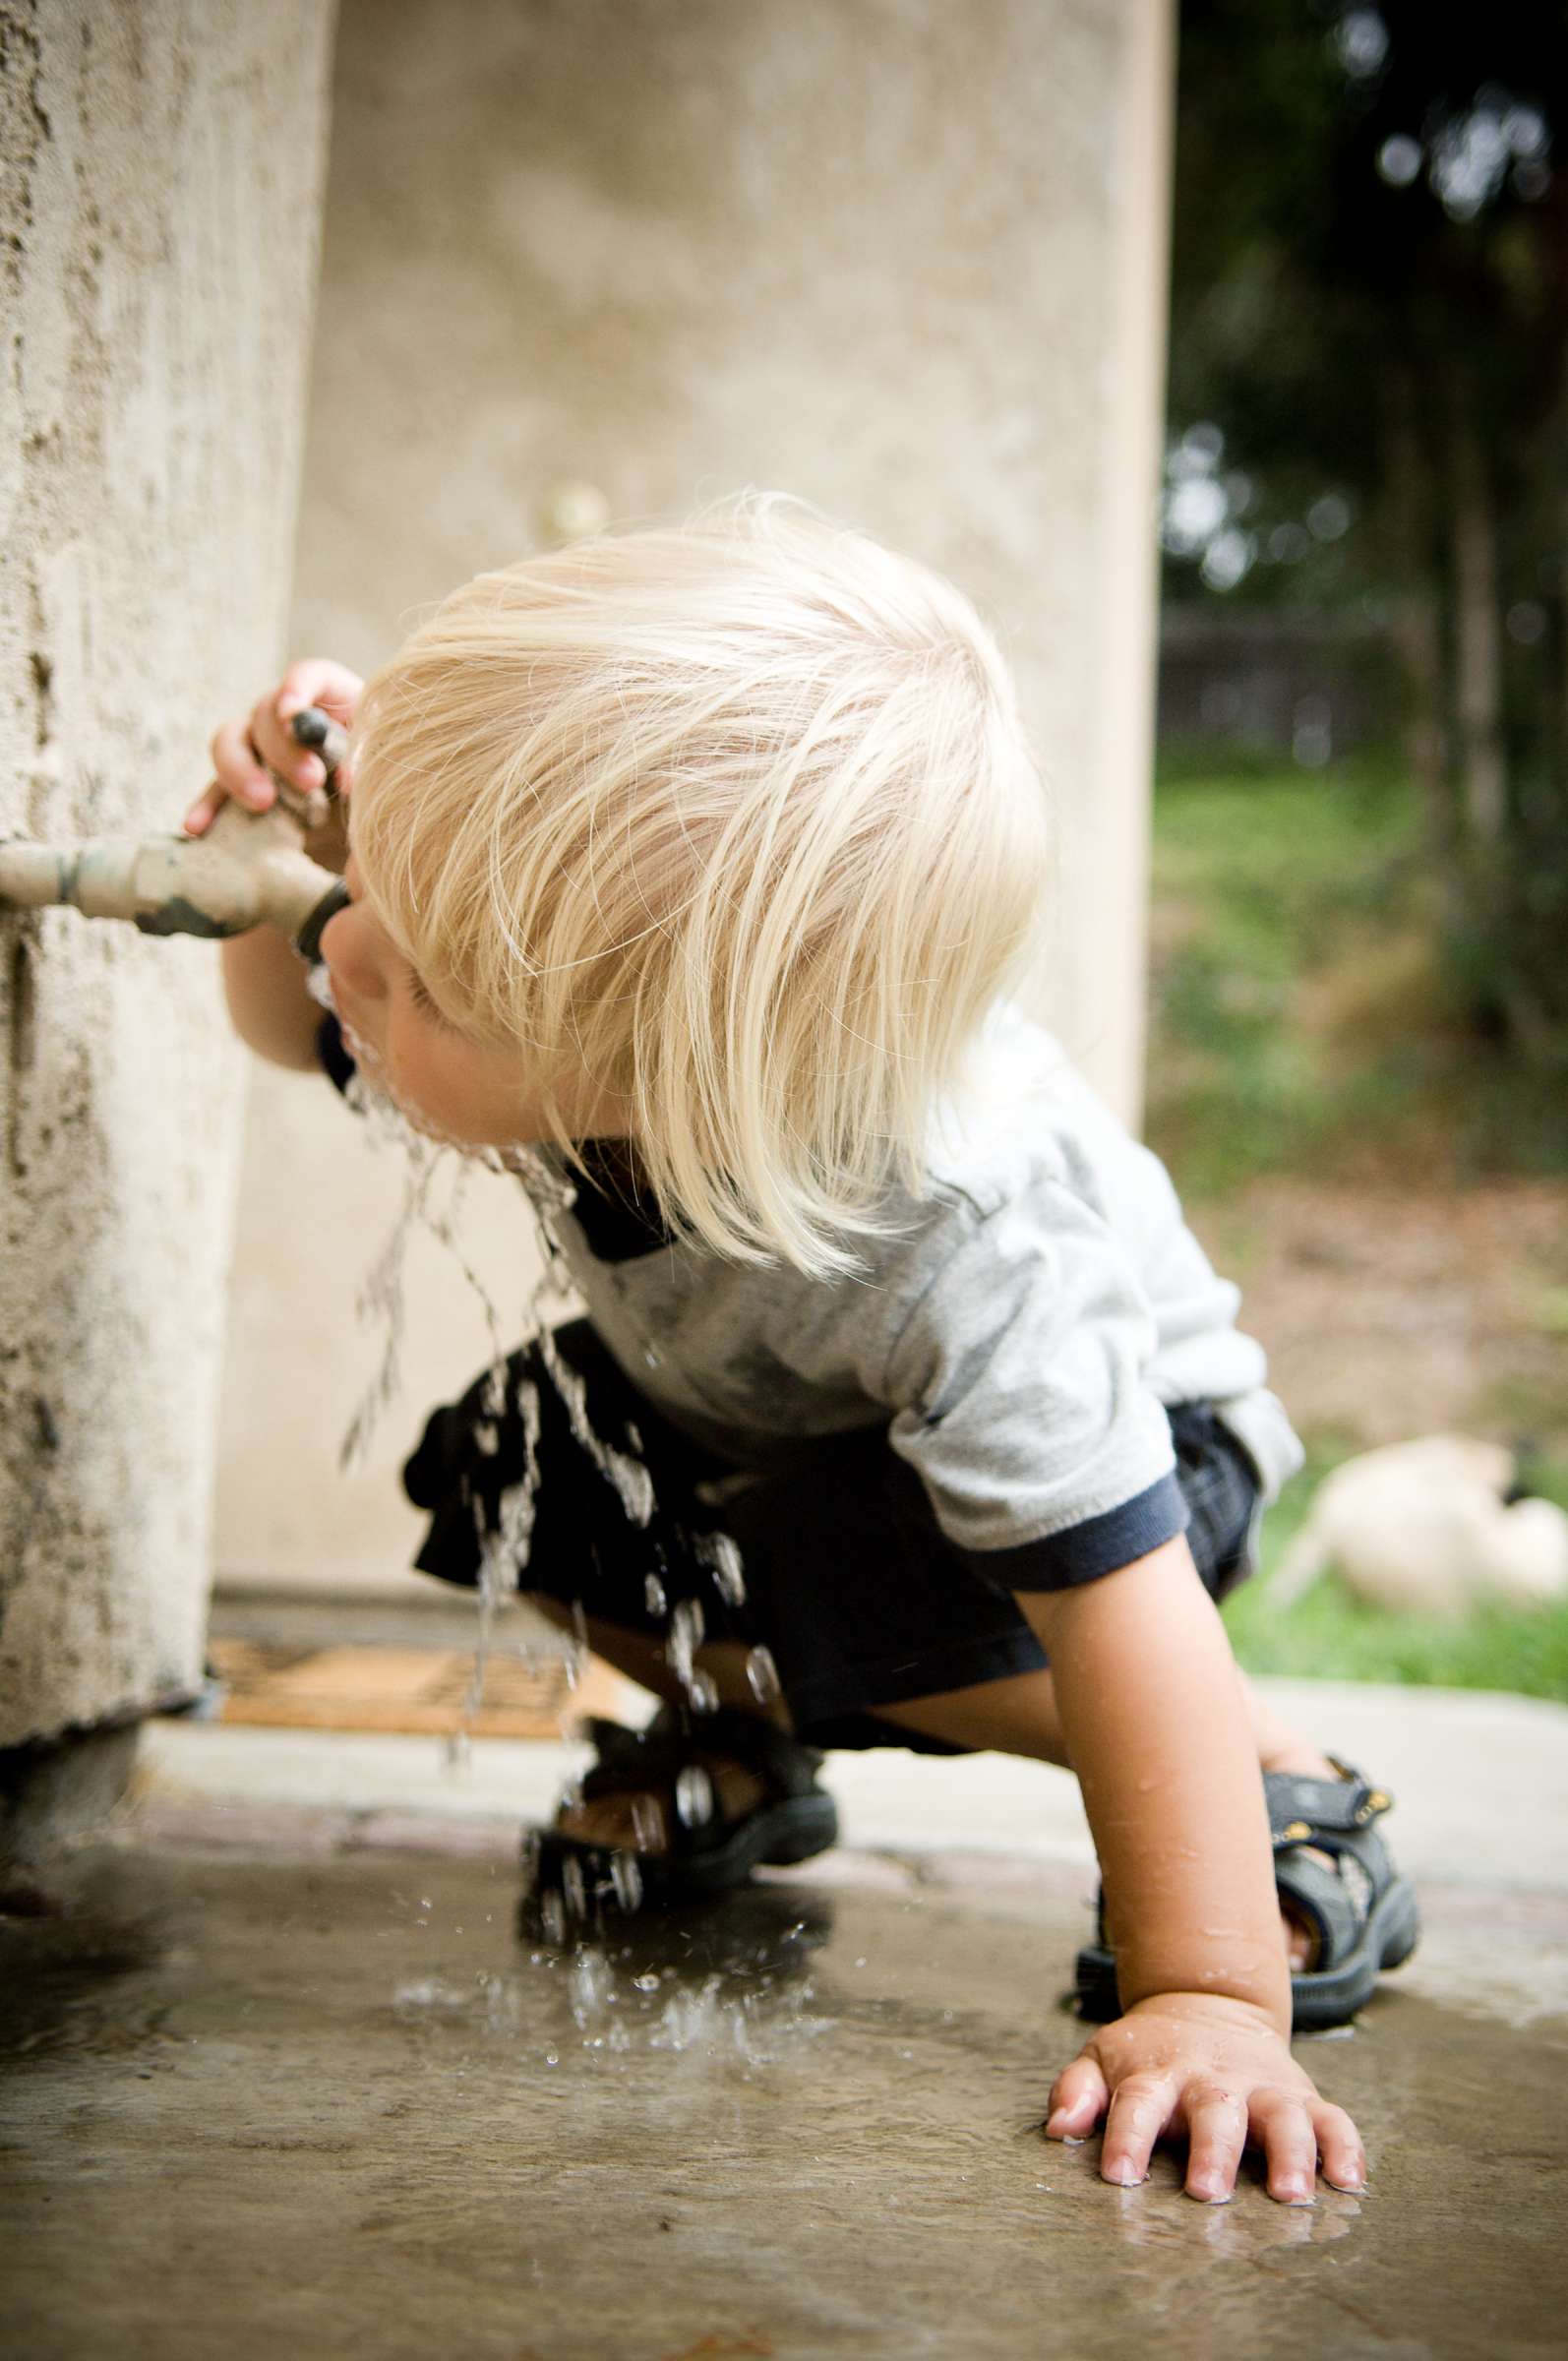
290, 2079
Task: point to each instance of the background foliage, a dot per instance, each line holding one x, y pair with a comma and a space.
1369, 410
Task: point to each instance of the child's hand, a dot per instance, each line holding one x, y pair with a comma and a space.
246, 754
1217, 2071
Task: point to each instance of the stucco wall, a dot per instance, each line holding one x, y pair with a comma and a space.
160, 174
903, 257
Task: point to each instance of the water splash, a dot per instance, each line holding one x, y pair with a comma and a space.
630, 1476
436, 1173
727, 2015
438, 1168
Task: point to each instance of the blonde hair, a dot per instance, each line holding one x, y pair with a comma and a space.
738, 818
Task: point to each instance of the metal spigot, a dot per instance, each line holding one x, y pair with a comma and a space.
251, 869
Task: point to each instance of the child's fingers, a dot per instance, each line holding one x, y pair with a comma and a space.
1077, 2100
1216, 2138
274, 740
247, 754
1139, 2111
1340, 2144
317, 681
312, 681
241, 771
1283, 2128
204, 810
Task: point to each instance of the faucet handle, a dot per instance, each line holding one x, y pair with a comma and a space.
316, 731
313, 728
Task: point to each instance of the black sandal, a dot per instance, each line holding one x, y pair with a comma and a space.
706, 1854
1362, 1913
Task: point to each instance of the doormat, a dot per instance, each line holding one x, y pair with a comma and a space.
420, 1690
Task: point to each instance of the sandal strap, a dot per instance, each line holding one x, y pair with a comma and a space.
1321, 1896
1304, 1812
1336, 1896
1326, 1815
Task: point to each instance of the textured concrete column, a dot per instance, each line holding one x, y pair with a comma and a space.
903, 257
160, 171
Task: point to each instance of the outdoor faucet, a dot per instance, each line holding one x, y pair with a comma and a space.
251, 868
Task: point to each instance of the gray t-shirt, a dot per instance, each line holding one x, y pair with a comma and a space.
1020, 1340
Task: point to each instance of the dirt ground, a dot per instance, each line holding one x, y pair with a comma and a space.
1390, 1313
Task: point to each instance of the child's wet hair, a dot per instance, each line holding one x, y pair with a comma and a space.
738, 817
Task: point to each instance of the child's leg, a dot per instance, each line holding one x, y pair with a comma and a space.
1016, 1716
1020, 1717
855, 1592
848, 1583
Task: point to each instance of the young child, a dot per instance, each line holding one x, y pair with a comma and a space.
703, 861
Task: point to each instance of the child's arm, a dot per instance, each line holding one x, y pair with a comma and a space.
263, 979
1157, 1728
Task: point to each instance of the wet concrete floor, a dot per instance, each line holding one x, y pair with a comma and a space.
257, 2101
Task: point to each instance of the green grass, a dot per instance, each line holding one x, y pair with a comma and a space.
1330, 1635
1301, 1025
1301, 1021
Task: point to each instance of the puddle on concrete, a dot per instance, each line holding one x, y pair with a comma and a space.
335, 2105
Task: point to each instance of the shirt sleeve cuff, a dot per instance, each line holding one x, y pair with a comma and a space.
1061, 1561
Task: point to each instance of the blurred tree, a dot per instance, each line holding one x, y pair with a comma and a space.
1370, 328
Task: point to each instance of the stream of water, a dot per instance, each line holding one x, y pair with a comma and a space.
438, 1168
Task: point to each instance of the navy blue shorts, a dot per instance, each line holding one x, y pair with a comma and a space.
850, 1582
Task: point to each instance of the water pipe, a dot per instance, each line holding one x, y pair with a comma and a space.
251, 869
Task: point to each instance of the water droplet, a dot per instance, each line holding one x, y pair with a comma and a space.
725, 1559
647, 1823
694, 1796
590, 1985
650, 1357
646, 1984
684, 1639
626, 1878
762, 1675
704, 1693
653, 1598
